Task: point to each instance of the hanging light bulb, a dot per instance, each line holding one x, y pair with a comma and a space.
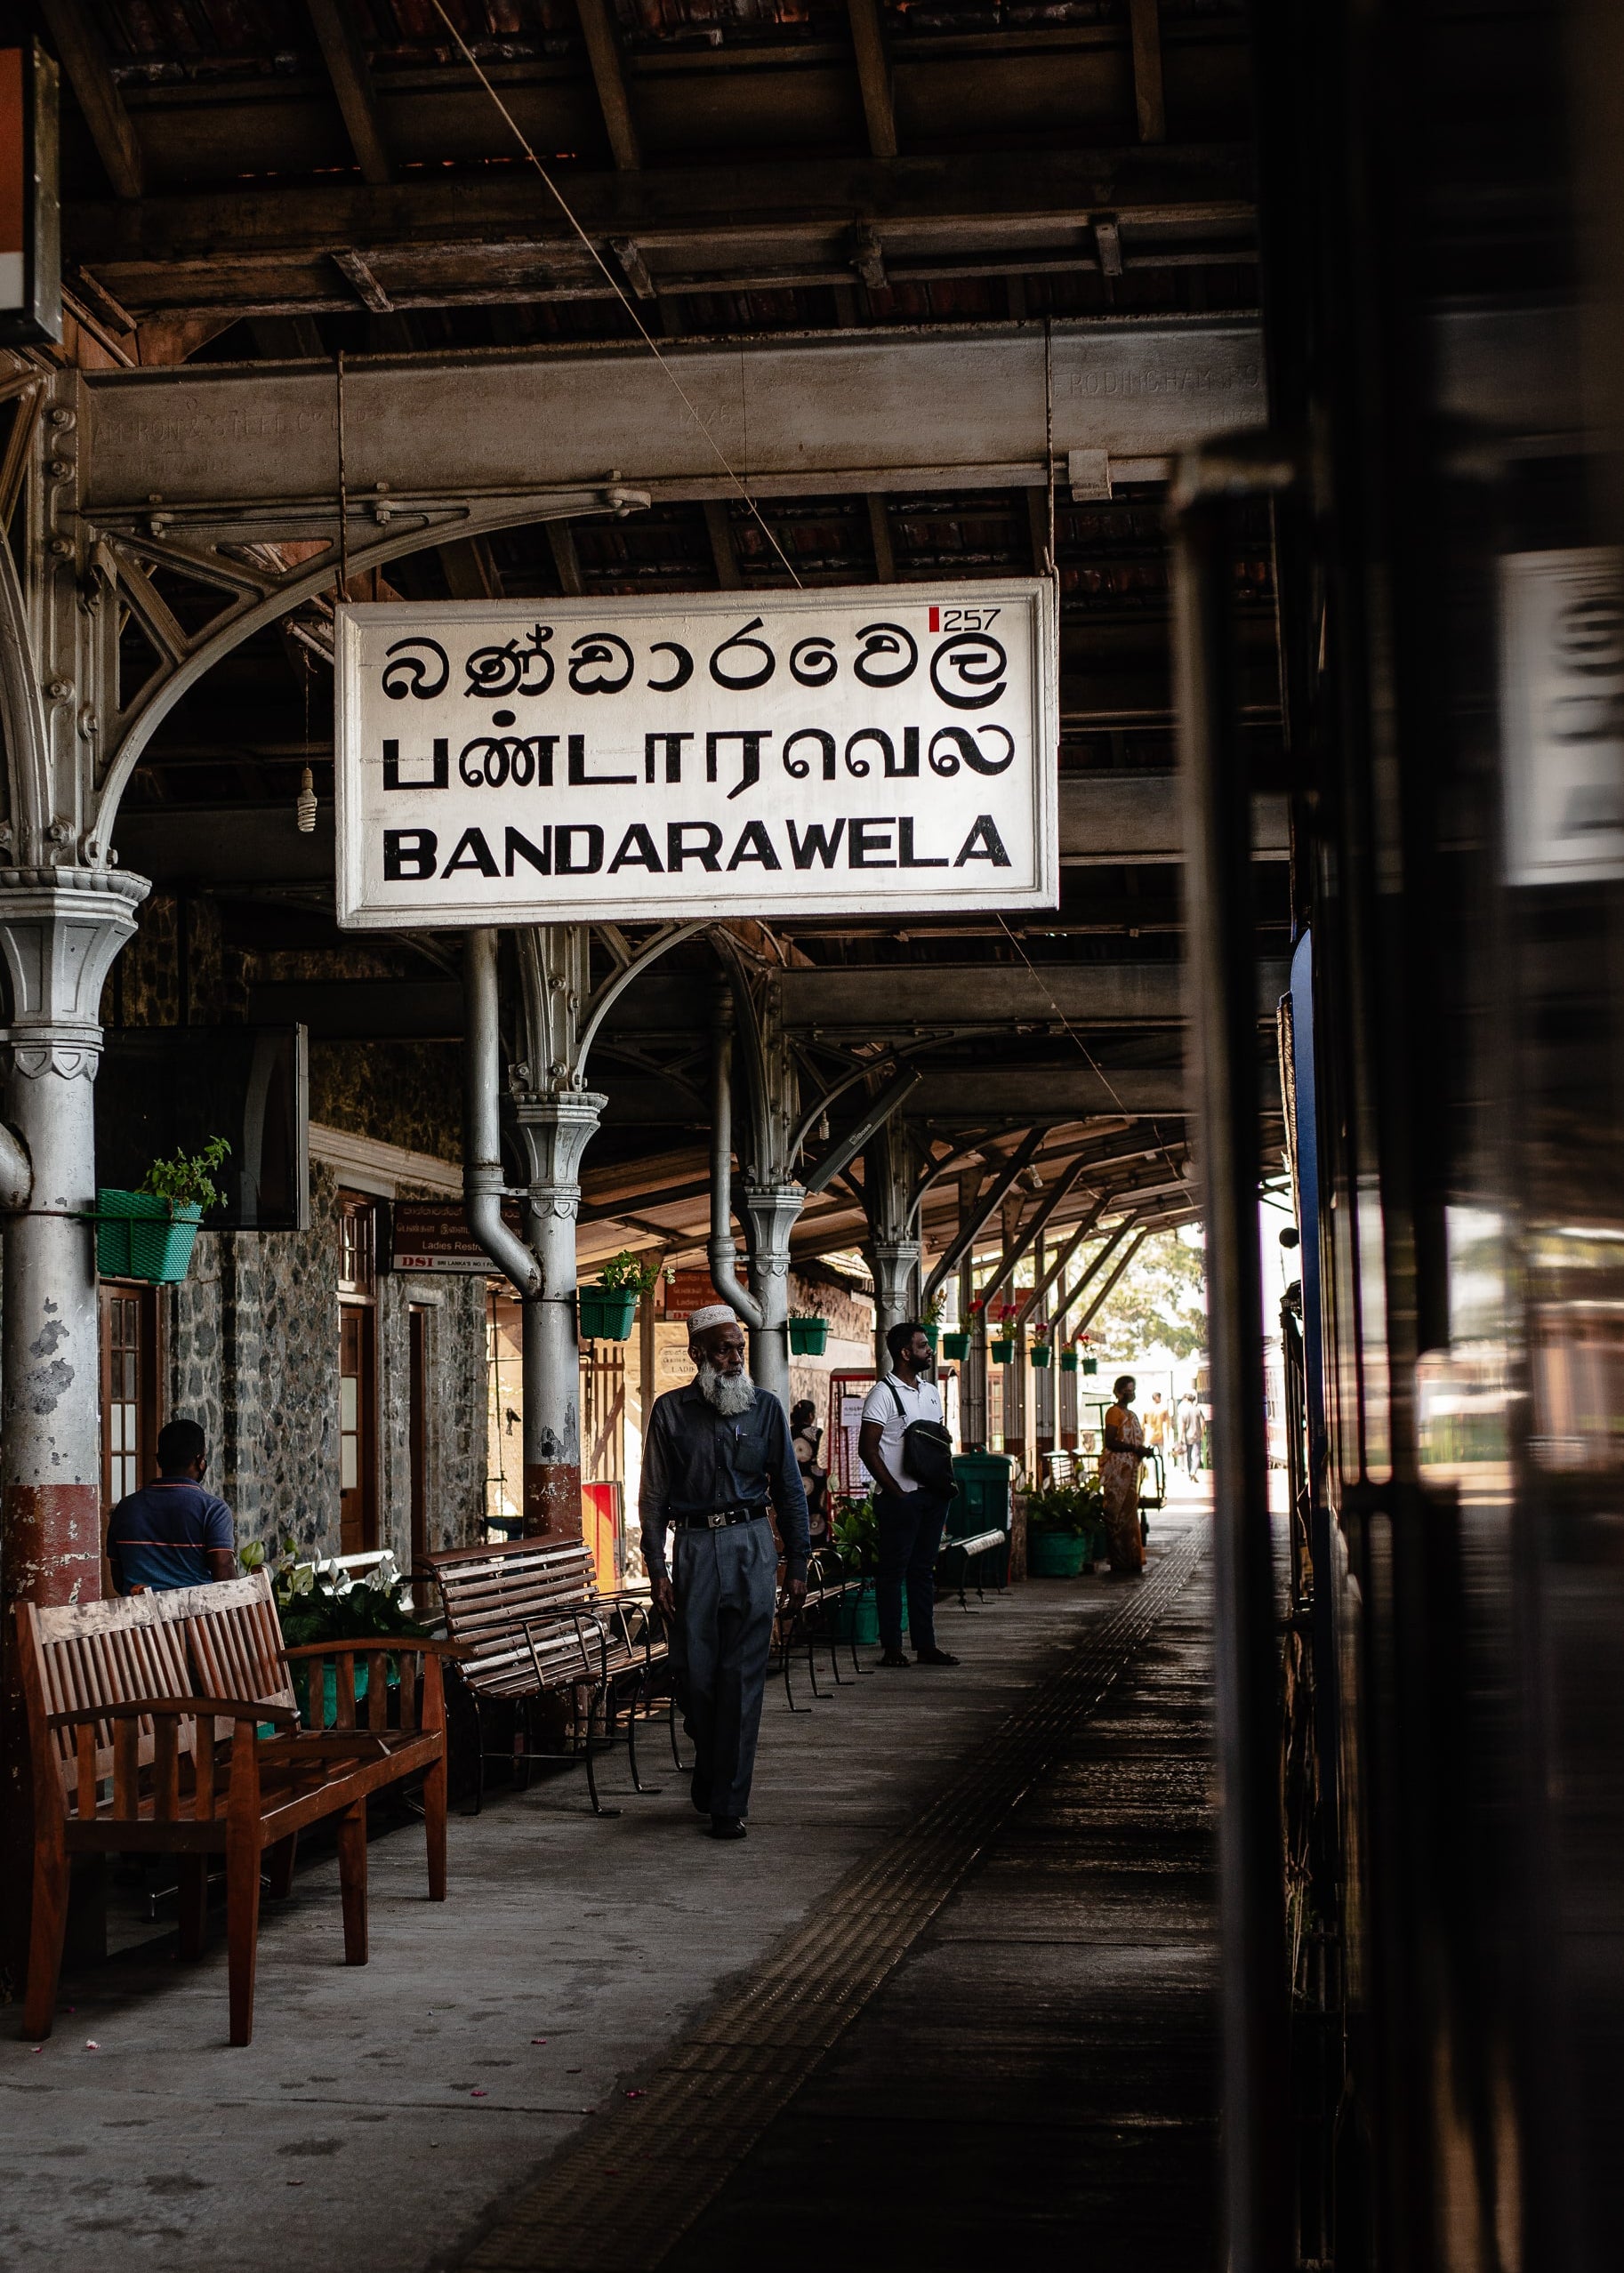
304, 804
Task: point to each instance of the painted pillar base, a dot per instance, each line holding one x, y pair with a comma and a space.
552, 1500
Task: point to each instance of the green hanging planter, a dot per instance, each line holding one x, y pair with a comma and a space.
139, 1236
1068, 1360
606, 1314
1002, 1351
929, 1332
956, 1346
1042, 1352
1090, 1365
809, 1337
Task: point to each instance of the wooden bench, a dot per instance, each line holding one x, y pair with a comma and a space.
144, 1718
529, 1623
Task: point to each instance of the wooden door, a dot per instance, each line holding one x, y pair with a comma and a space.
358, 1449
417, 1322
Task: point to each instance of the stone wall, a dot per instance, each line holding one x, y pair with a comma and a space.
250, 1340
851, 1347
251, 1354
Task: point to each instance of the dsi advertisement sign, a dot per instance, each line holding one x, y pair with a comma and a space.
816, 753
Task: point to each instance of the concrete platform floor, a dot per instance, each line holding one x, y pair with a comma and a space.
383, 2115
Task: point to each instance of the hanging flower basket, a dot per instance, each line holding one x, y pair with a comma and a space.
1090, 1365
1041, 1353
809, 1337
929, 1330
1068, 1360
606, 1314
141, 1236
1002, 1351
956, 1346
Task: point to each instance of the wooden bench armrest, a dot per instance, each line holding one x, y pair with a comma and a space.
381, 1645
194, 1708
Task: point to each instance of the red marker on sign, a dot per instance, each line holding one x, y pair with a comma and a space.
936, 618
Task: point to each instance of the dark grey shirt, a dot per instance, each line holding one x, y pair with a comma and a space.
693, 1460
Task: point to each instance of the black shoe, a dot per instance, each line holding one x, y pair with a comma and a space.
935, 1658
699, 1792
727, 1826
894, 1657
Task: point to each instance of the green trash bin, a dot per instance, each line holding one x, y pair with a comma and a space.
983, 1482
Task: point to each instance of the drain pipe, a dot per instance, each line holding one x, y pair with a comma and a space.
483, 1183
722, 1254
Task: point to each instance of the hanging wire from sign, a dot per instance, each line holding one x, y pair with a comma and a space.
1093, 1064
619, 290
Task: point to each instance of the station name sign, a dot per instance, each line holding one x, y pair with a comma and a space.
824, 753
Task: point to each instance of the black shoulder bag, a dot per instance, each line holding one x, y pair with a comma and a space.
927, 1450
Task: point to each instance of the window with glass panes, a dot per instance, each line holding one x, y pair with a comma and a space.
129, 1387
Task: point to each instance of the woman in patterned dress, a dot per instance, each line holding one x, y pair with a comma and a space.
1119, 1477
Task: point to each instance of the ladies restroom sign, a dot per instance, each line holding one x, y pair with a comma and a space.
824, 753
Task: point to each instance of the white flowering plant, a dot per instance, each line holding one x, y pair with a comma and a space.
318, 1602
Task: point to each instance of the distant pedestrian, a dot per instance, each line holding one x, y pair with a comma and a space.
807, 1436
1119, 1476
172, 1533
714, 1454
915, 1481
1190, 1435
1160, 1425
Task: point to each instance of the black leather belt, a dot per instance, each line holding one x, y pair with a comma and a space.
715, 1519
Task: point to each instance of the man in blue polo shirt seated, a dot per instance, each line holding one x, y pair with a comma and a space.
172, 1533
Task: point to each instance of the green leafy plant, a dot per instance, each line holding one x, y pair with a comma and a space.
317, 1604
1066, 1511
856, 1533
935, 1310
625, 1273
187, 1181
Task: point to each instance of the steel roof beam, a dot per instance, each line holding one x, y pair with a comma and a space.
243, 449
679, 215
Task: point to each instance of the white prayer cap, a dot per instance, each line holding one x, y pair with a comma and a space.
714, 1313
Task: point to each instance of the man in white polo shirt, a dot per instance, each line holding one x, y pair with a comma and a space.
909, 1513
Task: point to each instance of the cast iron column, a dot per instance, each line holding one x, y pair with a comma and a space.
556, 1131
59, 930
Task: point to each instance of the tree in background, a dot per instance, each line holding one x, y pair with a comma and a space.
1160, 1302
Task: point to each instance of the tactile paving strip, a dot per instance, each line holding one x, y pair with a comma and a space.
616, 2199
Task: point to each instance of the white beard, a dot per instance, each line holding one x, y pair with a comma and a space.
730, 1394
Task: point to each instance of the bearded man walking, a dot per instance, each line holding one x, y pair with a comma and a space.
714, 1455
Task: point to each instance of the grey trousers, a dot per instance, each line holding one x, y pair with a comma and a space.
726, 1588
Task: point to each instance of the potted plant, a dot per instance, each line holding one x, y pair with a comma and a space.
1063, 1524
321, 1603
609, 1306
1042, 1348
855, 1529
808, 1334
931, 1317
1002, 1347
958, 1346
150, 1233
1068, 1360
